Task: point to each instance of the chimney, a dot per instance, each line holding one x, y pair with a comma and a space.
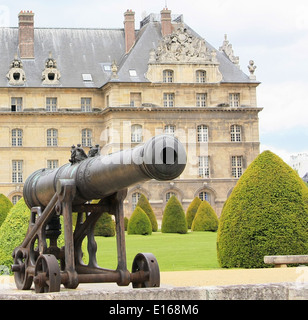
129, 27
166, 26
26, 34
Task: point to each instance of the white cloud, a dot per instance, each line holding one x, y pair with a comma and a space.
282, 153
285, 106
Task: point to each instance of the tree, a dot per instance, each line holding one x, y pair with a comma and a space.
144, 204
13, 231
174, 220
5, 206
192, 210
105, 226
205, 219
139, 223
266, 214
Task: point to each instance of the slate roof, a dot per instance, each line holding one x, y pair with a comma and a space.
87, 51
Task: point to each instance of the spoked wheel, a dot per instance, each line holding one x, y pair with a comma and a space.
146, 262
22, 279
47, 274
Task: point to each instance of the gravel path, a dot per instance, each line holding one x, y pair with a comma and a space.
235, 276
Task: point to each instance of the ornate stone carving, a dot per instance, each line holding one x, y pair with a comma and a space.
182, 47
16, 74
51, 74
114, 69
227, 49
252, 68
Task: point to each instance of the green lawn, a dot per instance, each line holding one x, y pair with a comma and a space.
174, 252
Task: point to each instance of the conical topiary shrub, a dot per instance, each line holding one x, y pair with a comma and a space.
139, 223
174, 220
192, 210
125, 223
13, 231
144, 204
105, 226
266, 214
5, 206
205, 219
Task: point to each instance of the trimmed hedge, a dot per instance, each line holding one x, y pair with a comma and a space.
105, 226
174, 220
266, 214
13, 231
5, 207
205, 219
139, 223
144, 204
125, 223
192, 210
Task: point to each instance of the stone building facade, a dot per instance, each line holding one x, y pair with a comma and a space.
119, 87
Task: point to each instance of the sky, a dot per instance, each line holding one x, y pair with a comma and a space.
272, 33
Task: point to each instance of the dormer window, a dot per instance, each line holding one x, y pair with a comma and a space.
168, 76
16, 74
200, 76
51, 74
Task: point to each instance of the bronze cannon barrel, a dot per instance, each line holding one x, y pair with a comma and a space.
162, 158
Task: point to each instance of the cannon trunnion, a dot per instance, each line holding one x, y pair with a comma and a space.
50, 193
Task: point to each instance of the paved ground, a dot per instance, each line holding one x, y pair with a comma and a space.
256, 284
235, 276
205, 278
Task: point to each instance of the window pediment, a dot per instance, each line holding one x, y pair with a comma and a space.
51, 74
16, 75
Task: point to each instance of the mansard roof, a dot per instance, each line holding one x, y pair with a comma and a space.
84, 56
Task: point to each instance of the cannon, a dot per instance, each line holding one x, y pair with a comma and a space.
50, 193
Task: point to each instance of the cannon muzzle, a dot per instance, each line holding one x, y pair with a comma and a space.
162, 158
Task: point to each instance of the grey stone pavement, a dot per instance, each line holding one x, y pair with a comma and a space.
269, 284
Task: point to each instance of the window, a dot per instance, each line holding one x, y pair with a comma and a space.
107, 67
86, 104
15, 199
52, 138
136, 133
135, 199
86, 137
51, 104
16, 138
16, 104
168, 76
202, 133
204, 170
200, 76
133, 73
52, 164
237, 166
169, 129
204, 196
169, 195
87, 77
234, 100
135, 99
169, 100
236, 133
17, 171
201, 99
